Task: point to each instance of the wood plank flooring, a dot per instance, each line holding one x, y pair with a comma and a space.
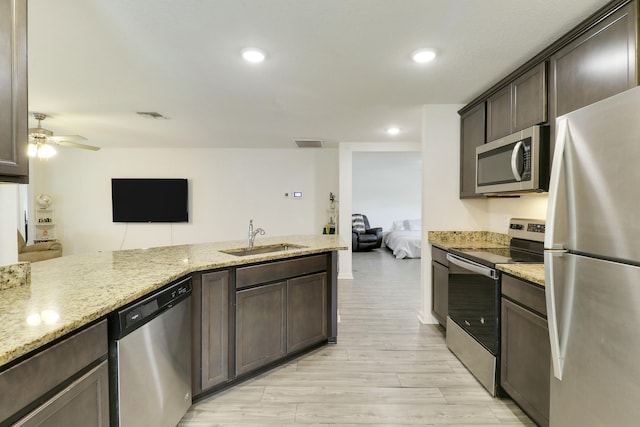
386, 370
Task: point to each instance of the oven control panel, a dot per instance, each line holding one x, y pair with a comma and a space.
529, 229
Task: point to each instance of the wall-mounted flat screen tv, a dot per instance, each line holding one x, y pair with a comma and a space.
150, 200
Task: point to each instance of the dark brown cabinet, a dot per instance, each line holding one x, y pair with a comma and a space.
598, 64
525, 362
306, 311
519, 105
14, 163
439, 285
210, 330
260, 326
66, 384
472, 135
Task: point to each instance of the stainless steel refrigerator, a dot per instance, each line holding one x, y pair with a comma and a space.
592, 265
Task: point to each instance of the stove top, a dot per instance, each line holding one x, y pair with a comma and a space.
527, 246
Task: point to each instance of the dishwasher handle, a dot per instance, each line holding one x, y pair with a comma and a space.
472, 266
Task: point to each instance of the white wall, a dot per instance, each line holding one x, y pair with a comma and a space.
228, 187
387, 186
533, 206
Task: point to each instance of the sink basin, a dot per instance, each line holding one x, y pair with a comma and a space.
280, 247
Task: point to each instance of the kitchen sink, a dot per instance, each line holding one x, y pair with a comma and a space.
280, 247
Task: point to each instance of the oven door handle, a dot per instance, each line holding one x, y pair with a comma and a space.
514, 161
472, 266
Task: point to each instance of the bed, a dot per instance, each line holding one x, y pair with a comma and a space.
405, 238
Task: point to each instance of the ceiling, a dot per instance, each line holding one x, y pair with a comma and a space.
336, 70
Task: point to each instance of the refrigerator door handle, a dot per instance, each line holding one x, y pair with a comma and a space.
554, 186
514, 161
553, 314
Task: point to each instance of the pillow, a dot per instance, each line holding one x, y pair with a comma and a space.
357, 223
413, 224
397, 225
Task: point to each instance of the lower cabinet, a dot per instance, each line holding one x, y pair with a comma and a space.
66, 384
306, 311
525, 354
210, 311
260, 326
439, 285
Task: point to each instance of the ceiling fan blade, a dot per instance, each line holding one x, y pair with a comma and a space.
76, 145
66, 138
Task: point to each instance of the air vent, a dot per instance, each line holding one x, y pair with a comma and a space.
151, 114
308, 143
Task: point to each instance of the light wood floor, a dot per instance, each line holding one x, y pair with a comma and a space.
386, 370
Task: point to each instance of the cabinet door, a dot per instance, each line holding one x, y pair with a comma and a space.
84, 403
306, 311
472, 128
530, 98
526, 360
14, 164
599, 64
499, 114
210, 331
440, 292
260, 326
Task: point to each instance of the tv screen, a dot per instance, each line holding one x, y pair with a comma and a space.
149, 200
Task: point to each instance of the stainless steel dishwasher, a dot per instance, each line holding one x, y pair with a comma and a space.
150, 359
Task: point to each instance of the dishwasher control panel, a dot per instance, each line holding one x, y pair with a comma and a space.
138, 313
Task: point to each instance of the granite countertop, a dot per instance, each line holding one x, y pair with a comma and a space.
468, 239
69, 292
487, 239
531, 272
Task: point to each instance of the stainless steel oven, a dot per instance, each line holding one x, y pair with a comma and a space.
473, 322
518, 163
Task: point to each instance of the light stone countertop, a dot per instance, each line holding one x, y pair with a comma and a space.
487, 239
468, 239
72, 291
531, 272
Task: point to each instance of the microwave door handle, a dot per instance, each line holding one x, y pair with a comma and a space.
514, 161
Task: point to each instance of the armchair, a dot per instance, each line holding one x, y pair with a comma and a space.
37, 251
363, 237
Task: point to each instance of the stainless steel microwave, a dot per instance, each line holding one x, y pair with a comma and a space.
518, 163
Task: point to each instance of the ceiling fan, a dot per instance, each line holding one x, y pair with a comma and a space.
42, 141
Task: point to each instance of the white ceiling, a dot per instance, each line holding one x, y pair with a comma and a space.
336, 70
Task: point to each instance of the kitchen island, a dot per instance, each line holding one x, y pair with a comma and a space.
70, 292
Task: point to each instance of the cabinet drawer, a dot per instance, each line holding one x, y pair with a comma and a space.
46, 370
440, 256
525, 293
273, 271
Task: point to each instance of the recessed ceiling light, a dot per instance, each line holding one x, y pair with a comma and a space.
393, 130
253, 54
423, 55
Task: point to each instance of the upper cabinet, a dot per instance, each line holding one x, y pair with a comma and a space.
519, 105
472, 131
598, 64
14, 163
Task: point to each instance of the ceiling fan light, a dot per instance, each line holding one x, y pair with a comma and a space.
46, 150
32, 150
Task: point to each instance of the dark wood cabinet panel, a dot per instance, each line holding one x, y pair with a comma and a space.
525, 362
260, 326
530, 98
499, 114
439, 286
472, 134
14, 163
306, 311
210, 330
598, 64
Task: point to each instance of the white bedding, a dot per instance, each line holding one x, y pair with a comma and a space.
404, 243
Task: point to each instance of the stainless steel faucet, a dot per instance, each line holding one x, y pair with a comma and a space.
252, 234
